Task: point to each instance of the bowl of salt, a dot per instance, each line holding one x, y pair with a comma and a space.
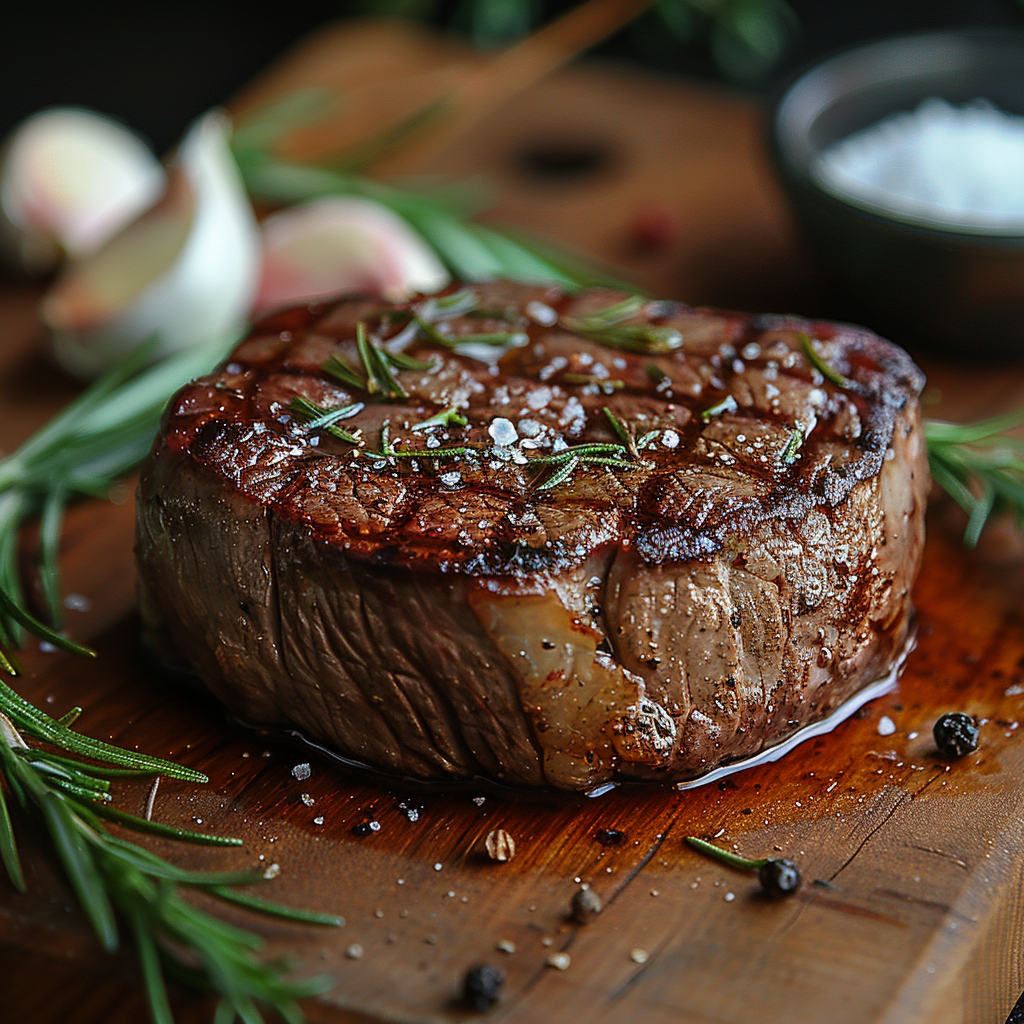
904, 160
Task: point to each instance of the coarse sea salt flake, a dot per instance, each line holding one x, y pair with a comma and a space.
939, 164
503, 431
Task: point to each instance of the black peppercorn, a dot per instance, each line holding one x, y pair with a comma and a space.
609, 836
779, 877
955, 734
482, 986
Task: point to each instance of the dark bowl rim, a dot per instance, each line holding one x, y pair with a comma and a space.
798, 172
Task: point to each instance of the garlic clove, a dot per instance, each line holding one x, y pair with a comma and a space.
185, 272
343, 244
69, 180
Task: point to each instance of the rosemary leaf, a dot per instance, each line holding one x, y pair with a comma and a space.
725, 856
450, 417
792, 448
8, 847
50, 522
39, 724
980, 467
618, 429
340, 370
149, 960
728, 404
448, 307
158, 829
561, 474
404, 362
815, 359
69, 718
606, 384
80, 868
316, 418
16, 612
275, 909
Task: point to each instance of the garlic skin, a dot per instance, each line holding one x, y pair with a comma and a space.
185, 272
69, 180
343, 244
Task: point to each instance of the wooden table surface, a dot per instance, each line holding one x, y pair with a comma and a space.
912, 907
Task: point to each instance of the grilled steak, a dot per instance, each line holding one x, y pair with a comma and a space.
663, 539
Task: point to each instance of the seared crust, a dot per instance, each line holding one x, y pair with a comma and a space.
737, 578
722, 476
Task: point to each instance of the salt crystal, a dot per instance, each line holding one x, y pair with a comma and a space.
318, 820
504, 946
729, 897
302, 771
307, 799
560, 961
540, 313
941, 164
886, 726
272, 871
503, 431
354, 952
638, 956
77, 603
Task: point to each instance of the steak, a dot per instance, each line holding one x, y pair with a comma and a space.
547, 538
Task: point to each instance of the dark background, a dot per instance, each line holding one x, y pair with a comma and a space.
158, 67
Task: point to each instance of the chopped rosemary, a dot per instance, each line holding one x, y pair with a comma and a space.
316, 418
451, 341
389, 451
606, 384
404, 362
792, 448
624, 455
377, 362
728, 404
725, 856
816, 360
607, 327
980, 467
448, 307
450, 417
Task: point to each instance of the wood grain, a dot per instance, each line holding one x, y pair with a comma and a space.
911, 909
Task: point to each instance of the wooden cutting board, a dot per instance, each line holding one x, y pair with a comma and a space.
911, 911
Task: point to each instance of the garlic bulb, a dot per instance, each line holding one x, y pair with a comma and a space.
69, 179
185, 272
343, 244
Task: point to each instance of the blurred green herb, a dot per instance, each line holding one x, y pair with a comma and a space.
745, 38
980, 467
608, 327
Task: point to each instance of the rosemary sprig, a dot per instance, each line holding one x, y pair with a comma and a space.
980, 467
120, 884
816, 360
97, 439
607, 326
